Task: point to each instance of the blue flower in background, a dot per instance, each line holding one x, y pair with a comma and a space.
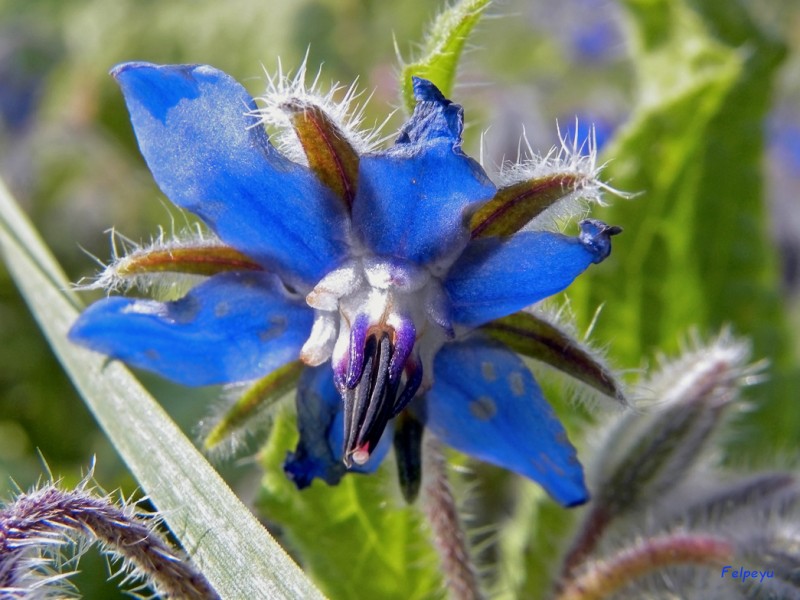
376, 268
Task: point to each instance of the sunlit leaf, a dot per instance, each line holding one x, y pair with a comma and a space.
442, 49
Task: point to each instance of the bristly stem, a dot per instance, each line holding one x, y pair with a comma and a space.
38, 524
583, 545
448, 535
603, 578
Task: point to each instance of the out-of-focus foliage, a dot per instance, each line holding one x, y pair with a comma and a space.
681, 91
696, 250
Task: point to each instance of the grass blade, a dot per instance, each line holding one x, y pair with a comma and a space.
237, 555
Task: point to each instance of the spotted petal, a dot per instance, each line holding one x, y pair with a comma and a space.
320, 421
209, 154
232, 327
413, 199
495, 278
487, 404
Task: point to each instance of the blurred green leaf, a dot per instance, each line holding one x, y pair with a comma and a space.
212, 524
356, 538
695, 250
442, 49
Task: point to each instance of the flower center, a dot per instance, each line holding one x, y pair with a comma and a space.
380, 321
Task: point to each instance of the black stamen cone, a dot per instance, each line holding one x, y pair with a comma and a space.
368, 407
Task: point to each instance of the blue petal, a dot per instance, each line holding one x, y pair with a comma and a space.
318, 403
485, 403
232, 327
209, 154
495, 278
319, 420
412, 199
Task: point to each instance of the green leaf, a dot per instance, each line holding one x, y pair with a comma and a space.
235, 552
357, 538
695, 250
442, 49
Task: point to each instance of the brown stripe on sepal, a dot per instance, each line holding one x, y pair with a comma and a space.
535, 337
255, 399
330, 155
194, 259
515, 205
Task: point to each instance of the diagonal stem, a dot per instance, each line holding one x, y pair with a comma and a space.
601, 579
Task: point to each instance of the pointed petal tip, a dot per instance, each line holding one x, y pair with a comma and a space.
435, 117
596, 237
119, 69
426, 91
579, 498
565, 486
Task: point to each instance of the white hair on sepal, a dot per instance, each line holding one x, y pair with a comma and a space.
118, 275
574, 157
344, 106
576, 392
242, 439
725, 356
482, 147
707, 376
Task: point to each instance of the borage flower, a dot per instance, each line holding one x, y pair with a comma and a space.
381, 281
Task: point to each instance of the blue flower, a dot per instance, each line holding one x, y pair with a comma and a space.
378, 269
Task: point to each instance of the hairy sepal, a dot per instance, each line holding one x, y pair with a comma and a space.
540, 190
538, 338
328, 151
251, 404
162, 261
339, 109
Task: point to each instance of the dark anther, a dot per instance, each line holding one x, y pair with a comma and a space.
413, 381
408, 452
369, 405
